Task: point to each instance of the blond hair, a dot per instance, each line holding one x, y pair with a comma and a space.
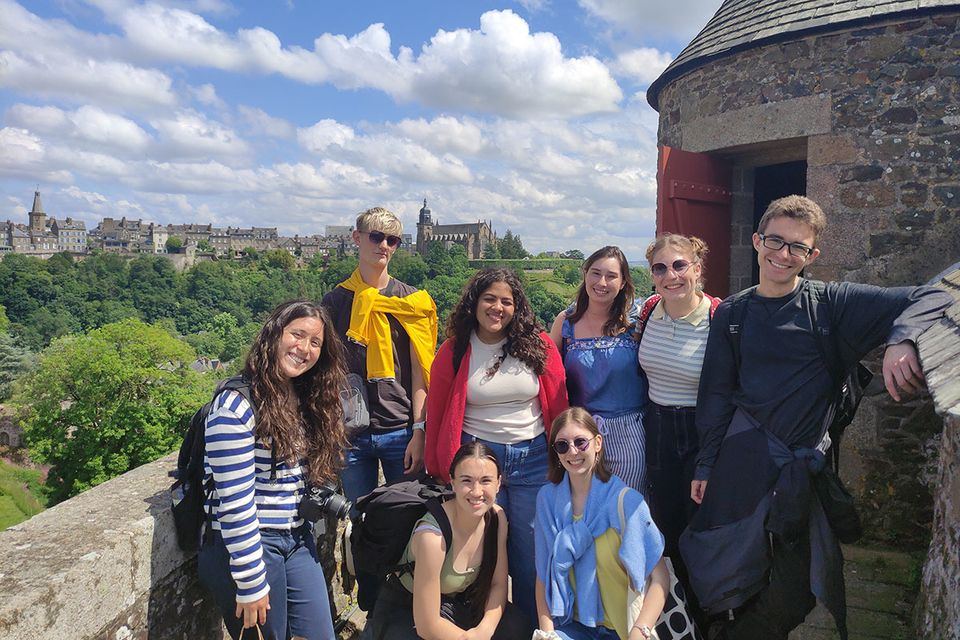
379, 219
692, 246
799, 208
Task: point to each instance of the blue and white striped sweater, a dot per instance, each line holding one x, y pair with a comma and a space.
245, 499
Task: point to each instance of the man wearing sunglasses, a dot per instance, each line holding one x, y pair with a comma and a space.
759, 550
389, 329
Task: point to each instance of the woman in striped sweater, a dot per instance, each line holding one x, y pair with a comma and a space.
673, 327
260, 560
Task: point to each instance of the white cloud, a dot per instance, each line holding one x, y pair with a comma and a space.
207, 94
85, 79
262, 123
643, 65
192, 135
679, 19
323, 134
444, 133
503, 68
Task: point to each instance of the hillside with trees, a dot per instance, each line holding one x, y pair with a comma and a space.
95, 353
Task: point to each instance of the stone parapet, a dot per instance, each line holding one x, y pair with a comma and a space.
104, 565
938, 615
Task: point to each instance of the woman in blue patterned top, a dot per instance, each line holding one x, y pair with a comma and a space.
596, 339
260, 560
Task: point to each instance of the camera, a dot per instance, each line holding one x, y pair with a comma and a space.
324, 500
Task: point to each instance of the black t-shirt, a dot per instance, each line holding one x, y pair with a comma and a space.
389, 400
781, 379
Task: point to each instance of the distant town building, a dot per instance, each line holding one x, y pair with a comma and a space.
474, 237
338, 231
42, 236
11, 434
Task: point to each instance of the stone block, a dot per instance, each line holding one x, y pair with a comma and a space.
867, 195
831, 149
899, 115
913, 194
915, 219
889, 242
861, 173
947, 195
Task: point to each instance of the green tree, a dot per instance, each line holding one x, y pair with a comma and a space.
544, 303
568, 273
409, 268
492, 252
4, 320
278, 259
642, 281
174, 244
573, 254
511, 248
15, 361
100, 404
204, 246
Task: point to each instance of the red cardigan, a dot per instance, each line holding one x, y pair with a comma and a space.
447, 402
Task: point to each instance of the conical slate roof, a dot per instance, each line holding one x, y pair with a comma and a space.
742, 24
37, 207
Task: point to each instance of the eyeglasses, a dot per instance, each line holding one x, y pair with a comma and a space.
658, 269
376, 237
797, 249
581, 443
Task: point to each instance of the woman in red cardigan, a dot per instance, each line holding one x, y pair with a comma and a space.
498, 378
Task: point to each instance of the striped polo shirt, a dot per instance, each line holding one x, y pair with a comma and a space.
245, 499
671, 354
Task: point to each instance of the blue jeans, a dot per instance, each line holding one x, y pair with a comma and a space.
369, 449
298, 591
524, 467
573, 630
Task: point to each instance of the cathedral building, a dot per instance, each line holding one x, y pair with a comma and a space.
474, 237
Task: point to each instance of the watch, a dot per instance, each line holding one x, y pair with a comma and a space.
419, 426
646, 632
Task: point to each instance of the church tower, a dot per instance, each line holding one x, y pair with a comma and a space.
424, 229
38, 219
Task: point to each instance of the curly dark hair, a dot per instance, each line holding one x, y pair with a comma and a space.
619, 319
523, 333
315, 432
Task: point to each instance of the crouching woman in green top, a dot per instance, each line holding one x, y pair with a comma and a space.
456, 593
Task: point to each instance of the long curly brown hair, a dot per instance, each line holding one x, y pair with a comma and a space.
310, 426
523, 333
619, 319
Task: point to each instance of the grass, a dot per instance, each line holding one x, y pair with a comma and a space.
21, 494
551, 283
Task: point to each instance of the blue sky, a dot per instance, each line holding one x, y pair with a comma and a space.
296, 114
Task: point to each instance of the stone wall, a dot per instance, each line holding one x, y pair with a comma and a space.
938, 616
875, 112
879, 109
103, 565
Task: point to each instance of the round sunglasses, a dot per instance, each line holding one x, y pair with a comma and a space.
563, 446
658, 269
376, 237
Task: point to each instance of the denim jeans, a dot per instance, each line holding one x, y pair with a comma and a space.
298, 591
370, 449
573, 630
524, 467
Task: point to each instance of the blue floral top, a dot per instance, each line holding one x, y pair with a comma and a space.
603, 375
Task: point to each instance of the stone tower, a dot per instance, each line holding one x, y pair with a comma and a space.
38, 219
424, 229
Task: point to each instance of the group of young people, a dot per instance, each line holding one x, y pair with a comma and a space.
580, 459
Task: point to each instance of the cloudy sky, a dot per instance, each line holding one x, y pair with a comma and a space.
301, 113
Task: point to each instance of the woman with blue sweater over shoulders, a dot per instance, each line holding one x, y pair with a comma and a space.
596, 545
259, 560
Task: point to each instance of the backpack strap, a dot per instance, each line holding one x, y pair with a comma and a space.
645, 310
738, 313
818, 309
435, 508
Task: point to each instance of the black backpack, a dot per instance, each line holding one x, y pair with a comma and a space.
383, 524
188, 492
849, 383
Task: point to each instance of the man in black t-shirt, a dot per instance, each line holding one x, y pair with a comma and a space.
761, 419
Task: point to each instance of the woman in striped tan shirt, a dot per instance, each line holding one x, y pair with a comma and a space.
673, 326
260, 561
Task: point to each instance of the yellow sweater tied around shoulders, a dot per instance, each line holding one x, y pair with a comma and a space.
369, 326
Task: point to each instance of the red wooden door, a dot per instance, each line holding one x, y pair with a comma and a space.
693, 198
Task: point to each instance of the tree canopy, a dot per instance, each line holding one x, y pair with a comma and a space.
102, 403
